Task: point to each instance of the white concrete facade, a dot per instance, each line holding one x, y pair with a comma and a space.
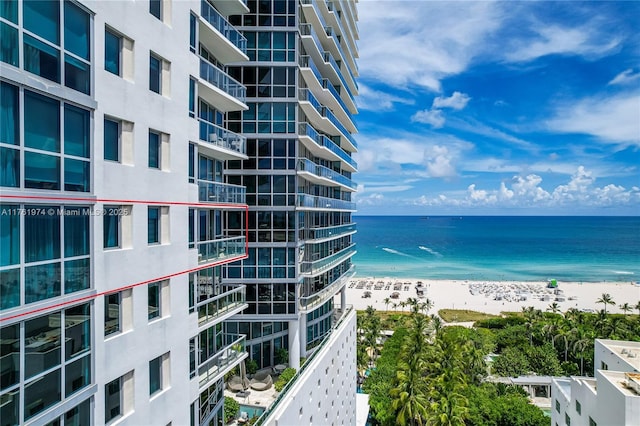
606, 399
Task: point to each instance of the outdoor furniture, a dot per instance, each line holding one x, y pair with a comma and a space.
261, 381
244, 417
236, 384
279, 368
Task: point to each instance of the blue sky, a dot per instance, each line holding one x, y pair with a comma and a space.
510, 108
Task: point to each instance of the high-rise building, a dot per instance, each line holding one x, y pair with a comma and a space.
125, 150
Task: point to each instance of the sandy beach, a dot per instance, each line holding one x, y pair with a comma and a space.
489, 296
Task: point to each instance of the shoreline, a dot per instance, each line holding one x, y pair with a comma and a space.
490, 296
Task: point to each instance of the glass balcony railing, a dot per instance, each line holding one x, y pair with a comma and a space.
336, 39
328, 231
336, 16
306, 165
306, 95
328, 58
222, 137
322, 265
221, 249
218, 192
326, 83
211, 15
307, 62
216, 366
322, 140
317, 202
232, 297
307, 30
307, 303
316, 10
222, 80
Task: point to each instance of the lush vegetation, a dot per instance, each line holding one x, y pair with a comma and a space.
284, 378
427, 374
231, 408
462, 315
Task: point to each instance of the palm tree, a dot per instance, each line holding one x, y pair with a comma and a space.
394, 305
637, 307
554, 308
403, 304
606, 300
408, 399
562, 335
580, 343
626, 308
386, 303
428, 304
449, 410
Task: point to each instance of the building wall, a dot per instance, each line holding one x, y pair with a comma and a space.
325, 393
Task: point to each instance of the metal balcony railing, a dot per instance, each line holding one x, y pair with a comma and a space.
211, 15
232, 297
306, 165
317, 202
307, 303
218, 192
222, 80
221, 249
326, 263
220, 363
305, 94
219, 136
328, 231
322, 140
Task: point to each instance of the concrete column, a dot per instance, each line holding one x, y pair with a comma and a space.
343, 298
294, 344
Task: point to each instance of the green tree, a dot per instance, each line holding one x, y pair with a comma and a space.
512, 362
554, 308
231, 408
637, 307
626, 308
606, 299
386, 301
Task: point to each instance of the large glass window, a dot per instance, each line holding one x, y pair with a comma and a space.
76, 131
112, 313
9, 10
76, 232
41, 171
9, 114
76, 30
9, 44
10, 359
41, 122
9, 235
111, 140
42, 282
112, 49
155, 8
76, 175
79, 415
40, 58
42, 233
77, 74
42, 393
42, 344
43, 18
155, 375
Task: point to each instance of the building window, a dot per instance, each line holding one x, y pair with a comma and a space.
112, 52
578, 407
111, 140
154, 150
567, 419
155, 8
603, 365
557, 406
154, 298
592, 422
153, 225
112, 313
158, 374
10, 43
118, 397
155, 74
111, 226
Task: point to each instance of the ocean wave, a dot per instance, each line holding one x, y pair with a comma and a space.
399, 253
623, 272
429, 250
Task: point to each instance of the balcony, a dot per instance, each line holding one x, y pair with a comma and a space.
221, 250
325, 91
308, 303
220, 37
323, 147
221, 193
316, 267
336, 48
315, 202
321, 234
232, 301
219, 89
323, 118
224, 360
345, 30
231, 7
323, 175
225, 144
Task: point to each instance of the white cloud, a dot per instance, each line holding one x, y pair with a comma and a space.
583, 41
613, 119
434, 117
625, 77
457, 101
438, 161
376, 100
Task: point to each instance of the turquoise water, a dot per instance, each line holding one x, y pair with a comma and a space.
499, 248
252, 410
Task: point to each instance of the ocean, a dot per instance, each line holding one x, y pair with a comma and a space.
531, 248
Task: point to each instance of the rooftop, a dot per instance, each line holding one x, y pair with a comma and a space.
626, 350
627, 383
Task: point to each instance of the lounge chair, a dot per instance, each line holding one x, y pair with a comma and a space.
261, 381
244, 417
236, 384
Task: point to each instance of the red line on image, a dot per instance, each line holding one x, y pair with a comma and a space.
93, 296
